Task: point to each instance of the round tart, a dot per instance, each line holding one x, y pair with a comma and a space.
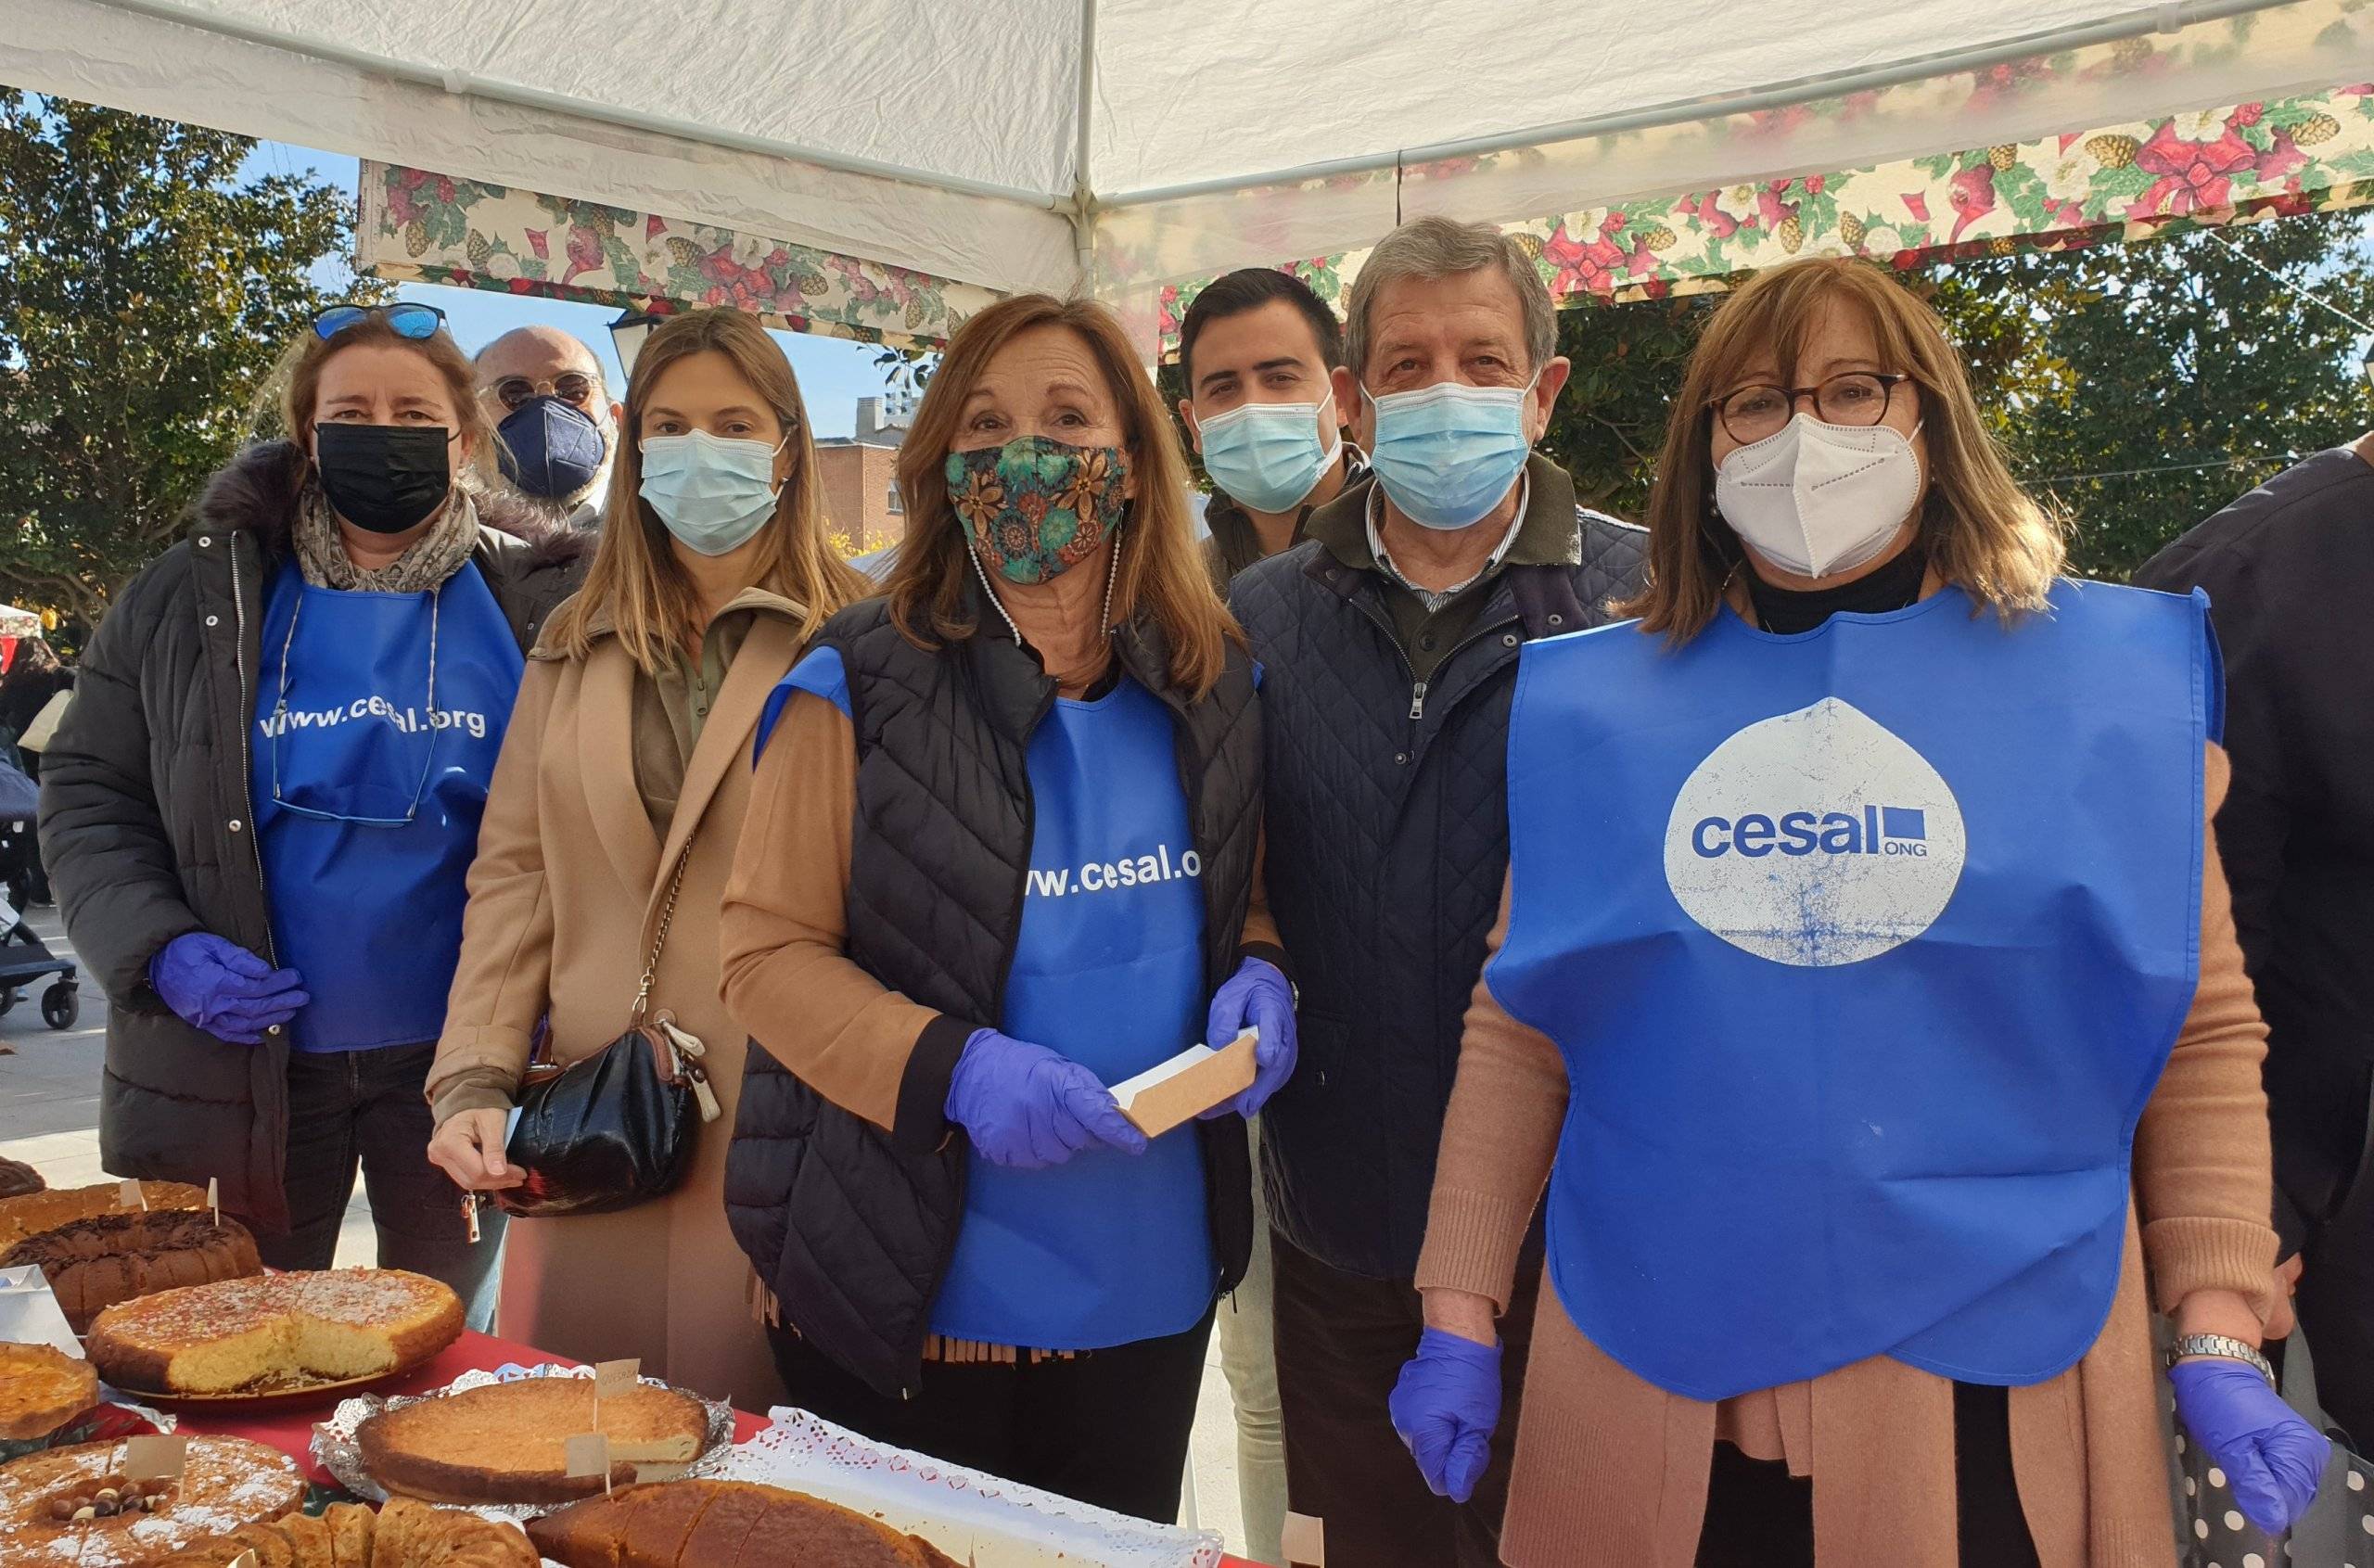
92, 1264
504, 1442
75, 1506
274, 1332
41, 1390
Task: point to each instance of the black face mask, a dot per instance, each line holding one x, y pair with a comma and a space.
383, 478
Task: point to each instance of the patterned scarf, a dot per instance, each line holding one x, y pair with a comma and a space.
433, 557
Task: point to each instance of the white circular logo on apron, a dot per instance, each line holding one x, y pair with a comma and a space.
1815, 838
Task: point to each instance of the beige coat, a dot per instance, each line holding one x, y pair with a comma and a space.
565, 897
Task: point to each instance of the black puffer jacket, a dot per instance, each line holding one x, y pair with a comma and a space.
851, 1227
1388, 839
145, 817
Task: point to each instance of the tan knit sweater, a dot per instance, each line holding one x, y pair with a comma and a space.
1613, 1470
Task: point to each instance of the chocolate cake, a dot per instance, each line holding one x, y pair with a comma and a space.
17, 1179
92, 1264
36, 1212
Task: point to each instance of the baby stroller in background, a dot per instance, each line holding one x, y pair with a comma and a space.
23, 957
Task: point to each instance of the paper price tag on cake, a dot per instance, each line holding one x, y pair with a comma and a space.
155, 1458
612, 1379
1186, 1086
586, 1454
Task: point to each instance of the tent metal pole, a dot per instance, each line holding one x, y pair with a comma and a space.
2166, 18
461, 82
1084, 204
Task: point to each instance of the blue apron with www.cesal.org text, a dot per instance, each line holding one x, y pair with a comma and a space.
370, 913
1864, 948
1106, 1248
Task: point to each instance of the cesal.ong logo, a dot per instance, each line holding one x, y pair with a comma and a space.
1815, 838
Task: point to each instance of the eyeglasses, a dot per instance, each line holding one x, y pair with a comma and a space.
279, 725
569, 387
416, 322
1757, 413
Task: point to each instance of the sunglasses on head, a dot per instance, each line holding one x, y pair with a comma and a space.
416, 322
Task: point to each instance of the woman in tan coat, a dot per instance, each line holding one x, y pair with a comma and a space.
630, 753
1865, 1016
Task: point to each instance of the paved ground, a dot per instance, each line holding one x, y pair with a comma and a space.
49, 1118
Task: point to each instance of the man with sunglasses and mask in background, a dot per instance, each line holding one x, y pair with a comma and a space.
556, 427
1389, 640
262, 808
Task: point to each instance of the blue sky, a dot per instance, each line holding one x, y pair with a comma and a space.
832, 373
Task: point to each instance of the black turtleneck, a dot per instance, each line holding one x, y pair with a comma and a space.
1788, 611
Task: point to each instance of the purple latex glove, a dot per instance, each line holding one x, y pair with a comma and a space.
1445, 1406
224, 989
2272, 1458
1256, 996
1027, 1107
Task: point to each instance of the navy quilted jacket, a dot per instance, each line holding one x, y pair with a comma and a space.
1388, 838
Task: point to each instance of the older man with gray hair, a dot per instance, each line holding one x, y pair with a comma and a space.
1390, 638
542, 391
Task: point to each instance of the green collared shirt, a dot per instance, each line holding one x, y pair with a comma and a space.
1548, 534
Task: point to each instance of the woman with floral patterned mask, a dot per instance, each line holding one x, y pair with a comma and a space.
1002, 845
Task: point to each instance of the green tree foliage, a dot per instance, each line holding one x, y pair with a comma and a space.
144, 294
2139, 386
2152, 383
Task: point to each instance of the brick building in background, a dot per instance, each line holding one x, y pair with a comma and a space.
860, 483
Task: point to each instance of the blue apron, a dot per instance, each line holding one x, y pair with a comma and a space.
1864, 948
1107, 1248
367, 905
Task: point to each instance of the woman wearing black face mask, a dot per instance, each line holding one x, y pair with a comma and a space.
262, 812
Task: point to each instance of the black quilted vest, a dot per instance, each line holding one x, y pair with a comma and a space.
852, 1233
1388, 841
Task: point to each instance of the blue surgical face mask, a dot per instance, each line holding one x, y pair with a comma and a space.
1268, 455
1447, 454
550, 448
712, 493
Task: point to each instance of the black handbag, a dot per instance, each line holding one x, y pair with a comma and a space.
613, 1129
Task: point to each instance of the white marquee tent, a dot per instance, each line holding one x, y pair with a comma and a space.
1122, 146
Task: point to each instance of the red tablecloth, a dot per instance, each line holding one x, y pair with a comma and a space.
289, 1427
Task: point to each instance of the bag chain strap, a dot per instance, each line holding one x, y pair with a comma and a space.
659, 942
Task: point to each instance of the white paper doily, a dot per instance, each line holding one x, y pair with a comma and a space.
971, 1516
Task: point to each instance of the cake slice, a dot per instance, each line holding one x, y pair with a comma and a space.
636, 1526
349, 1534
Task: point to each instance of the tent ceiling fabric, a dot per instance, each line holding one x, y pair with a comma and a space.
946, 136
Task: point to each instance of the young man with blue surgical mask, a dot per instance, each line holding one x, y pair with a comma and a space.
1389, 643
1257, 352
555, 426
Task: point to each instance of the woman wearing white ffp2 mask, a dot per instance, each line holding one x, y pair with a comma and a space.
1906, 875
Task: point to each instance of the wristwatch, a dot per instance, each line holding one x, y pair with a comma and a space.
2223, 1346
